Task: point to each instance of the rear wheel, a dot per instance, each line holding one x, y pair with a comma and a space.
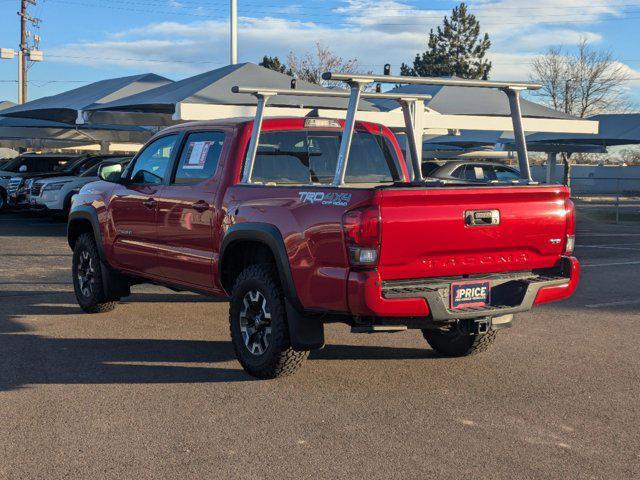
258, 324
87, 276
457, 343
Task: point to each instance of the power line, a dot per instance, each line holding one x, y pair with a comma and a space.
588, 17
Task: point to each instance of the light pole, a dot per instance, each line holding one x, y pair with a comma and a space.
233, 31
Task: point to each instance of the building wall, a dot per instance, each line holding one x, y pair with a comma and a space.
592, 179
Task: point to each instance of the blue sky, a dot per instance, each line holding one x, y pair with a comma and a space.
88, 40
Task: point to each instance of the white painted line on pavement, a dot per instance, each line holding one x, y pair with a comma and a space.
614, 304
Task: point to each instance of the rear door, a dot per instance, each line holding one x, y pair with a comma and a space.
187, 212
134, 207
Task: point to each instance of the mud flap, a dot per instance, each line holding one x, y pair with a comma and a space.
305, 333
115, 285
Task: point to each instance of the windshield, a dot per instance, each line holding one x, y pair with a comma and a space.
12, 165
80, 165
311, 156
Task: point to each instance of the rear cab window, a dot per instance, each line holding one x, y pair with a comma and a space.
310, 157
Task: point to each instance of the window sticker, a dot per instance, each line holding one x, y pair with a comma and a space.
197, 155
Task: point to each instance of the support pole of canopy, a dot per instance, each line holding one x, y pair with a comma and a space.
347, 133
552, 159
513, 93
262, 97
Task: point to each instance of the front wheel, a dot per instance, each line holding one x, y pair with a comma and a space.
457, 343
87, 276
258, 324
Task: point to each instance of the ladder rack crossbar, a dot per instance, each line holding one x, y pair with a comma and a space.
445, 82
329, 93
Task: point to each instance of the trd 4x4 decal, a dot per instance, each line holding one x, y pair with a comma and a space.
331, 198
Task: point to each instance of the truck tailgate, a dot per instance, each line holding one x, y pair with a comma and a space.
429, 232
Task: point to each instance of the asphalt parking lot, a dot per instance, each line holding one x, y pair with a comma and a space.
152, 390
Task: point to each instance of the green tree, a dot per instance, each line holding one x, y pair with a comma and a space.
274, 63
455, 48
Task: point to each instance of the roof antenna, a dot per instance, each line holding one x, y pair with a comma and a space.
293, 83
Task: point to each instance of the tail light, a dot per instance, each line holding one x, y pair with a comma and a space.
570, 241
362, 235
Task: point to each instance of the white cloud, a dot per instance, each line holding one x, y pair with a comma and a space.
375, 32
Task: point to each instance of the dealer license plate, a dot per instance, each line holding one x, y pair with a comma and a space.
470, 294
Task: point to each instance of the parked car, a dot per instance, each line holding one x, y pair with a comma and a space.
470, 171
54, 194
37, 166
292, 251
13, 173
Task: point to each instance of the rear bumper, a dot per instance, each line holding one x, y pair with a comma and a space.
513, 292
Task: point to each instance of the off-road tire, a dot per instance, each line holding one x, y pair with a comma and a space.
459, 344
96, 301
279, 358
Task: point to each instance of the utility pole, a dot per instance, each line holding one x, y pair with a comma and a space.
26, 52
22, 61
233, 31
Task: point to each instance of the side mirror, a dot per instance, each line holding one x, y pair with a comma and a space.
110, 172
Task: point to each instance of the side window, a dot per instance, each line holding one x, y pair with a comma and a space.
199, 157
478, 173
151, 165
506, 174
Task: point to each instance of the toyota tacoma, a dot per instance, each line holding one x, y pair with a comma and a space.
256, 218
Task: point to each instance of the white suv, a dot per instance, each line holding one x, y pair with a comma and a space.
54, 194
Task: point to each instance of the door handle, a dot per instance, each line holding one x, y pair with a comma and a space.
150, 203
200, 206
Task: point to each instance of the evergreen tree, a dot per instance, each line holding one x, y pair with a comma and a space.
455, 49
274, 63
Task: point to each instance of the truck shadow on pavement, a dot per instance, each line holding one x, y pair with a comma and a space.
27, 358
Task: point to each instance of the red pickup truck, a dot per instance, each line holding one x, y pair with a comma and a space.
291, 252
298, 222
